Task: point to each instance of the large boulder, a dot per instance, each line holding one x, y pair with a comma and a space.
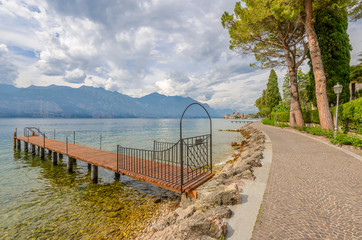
209, 223
225, 195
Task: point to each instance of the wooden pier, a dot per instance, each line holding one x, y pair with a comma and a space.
180, 167
164, 175
242, 121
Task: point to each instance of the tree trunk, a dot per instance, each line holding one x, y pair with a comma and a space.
296, 116
325, 115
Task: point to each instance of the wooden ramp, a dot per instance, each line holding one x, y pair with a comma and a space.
164, 175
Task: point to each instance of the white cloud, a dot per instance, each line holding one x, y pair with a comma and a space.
8, 71
75, 76
132, 46
3, 49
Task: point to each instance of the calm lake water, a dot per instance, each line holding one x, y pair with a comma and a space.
39, 200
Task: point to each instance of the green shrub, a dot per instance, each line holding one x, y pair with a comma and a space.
319, 132
314, 116
267, 121
308, 116
341, 138
282, 125
281, 116
351, 116
302, 129
345, 139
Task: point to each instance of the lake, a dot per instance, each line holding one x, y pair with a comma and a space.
39, 200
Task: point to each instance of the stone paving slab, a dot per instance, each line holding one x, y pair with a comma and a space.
313, 191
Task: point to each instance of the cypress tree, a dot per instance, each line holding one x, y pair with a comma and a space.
272, 94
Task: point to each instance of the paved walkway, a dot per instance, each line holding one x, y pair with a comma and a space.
314, 191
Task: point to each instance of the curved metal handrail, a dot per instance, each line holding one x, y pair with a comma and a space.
185, 112
181, 140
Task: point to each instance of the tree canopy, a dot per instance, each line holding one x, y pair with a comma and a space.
267, 30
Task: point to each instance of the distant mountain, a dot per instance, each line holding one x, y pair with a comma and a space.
90, 102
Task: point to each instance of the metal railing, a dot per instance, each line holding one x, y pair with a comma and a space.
29, 131
161, 163
34, 131
177, 163
164, 161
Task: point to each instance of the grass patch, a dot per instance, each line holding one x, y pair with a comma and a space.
341, 138
267, 121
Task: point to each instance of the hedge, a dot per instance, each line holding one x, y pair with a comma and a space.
308, 116
349, 116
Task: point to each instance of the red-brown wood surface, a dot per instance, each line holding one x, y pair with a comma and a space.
161, 174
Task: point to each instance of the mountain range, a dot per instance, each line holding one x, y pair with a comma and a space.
89, 102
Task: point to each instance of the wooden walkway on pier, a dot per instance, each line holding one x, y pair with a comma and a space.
242, 121
166, 173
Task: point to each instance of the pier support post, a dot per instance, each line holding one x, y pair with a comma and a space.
117, 176
14, 140
42, 153
33, 149
55, 158
25, 146
18, 145
89, 166
50, 152
70, 164
94, 173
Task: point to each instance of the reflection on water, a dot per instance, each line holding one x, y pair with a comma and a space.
39, 200
68, 204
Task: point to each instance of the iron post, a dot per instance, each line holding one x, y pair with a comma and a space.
276, 116
117, 156
337, 90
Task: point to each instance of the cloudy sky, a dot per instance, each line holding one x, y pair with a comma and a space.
134, 47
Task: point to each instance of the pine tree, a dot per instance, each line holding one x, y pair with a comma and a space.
274, 32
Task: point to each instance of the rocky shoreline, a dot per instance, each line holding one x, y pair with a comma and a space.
202, 218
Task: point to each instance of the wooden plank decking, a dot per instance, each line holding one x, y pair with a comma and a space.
160, 174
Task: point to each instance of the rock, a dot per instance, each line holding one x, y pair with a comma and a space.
186, 201
247, 174
245, 154
255, 163
165, 222
241, 168
227, 196
221, 176
209, 223
185, 213
219, 212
